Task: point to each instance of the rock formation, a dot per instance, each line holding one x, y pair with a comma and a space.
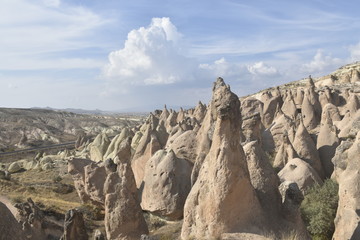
306, 148
166, 185
10, 229
222, 198
300, 172
327, 142
123, 215
74, 227
98, 147
347, 168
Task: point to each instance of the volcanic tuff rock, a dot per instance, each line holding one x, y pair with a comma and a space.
263, 178
98, 147
166, 185
222, 198
74, 227
10, 229
123, 215
347, 168
300, 172
306, 148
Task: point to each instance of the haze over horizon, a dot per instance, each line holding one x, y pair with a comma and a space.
116, 55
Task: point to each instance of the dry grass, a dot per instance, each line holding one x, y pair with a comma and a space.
40, 186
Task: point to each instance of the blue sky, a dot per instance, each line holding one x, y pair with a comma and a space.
140, 55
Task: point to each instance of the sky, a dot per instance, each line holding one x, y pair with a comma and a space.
138, 55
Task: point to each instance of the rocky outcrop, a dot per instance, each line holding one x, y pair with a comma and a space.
222, 198
166, 185
292, 198
285, 152
300, 172
184, 145
327, 142
306, 148
98, 147
74, 227
123, 215
76, 168
94, 179
347, 168
251, 128
199, 112
289, 106
263, 178
10, 229
113, 148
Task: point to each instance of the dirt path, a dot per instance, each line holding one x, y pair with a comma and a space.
9, 205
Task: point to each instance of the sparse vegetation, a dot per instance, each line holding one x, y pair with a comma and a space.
319, 209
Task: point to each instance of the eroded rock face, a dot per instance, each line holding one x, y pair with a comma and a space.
123, 215
347, 168
327, 142
98, 147
300, 172
222, 198
166, 185
263, 178
285, 152
76, 170
10, 229
184, 145
94, 180
74, 227
306, 148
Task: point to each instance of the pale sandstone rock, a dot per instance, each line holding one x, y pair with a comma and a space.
347, 168
166, 185
98, 147
300, 172
123, 215
306, 148
222, 198
74, 226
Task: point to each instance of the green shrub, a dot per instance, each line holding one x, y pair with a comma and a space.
318, 209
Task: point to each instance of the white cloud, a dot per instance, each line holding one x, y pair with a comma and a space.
222, 68
322, 63
355, 52
260, 68
150, 56
52, 3
34, 32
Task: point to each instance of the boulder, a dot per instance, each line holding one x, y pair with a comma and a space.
14, 167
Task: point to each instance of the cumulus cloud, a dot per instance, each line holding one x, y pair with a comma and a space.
322, 63
260, 68
222, 68
150, 56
